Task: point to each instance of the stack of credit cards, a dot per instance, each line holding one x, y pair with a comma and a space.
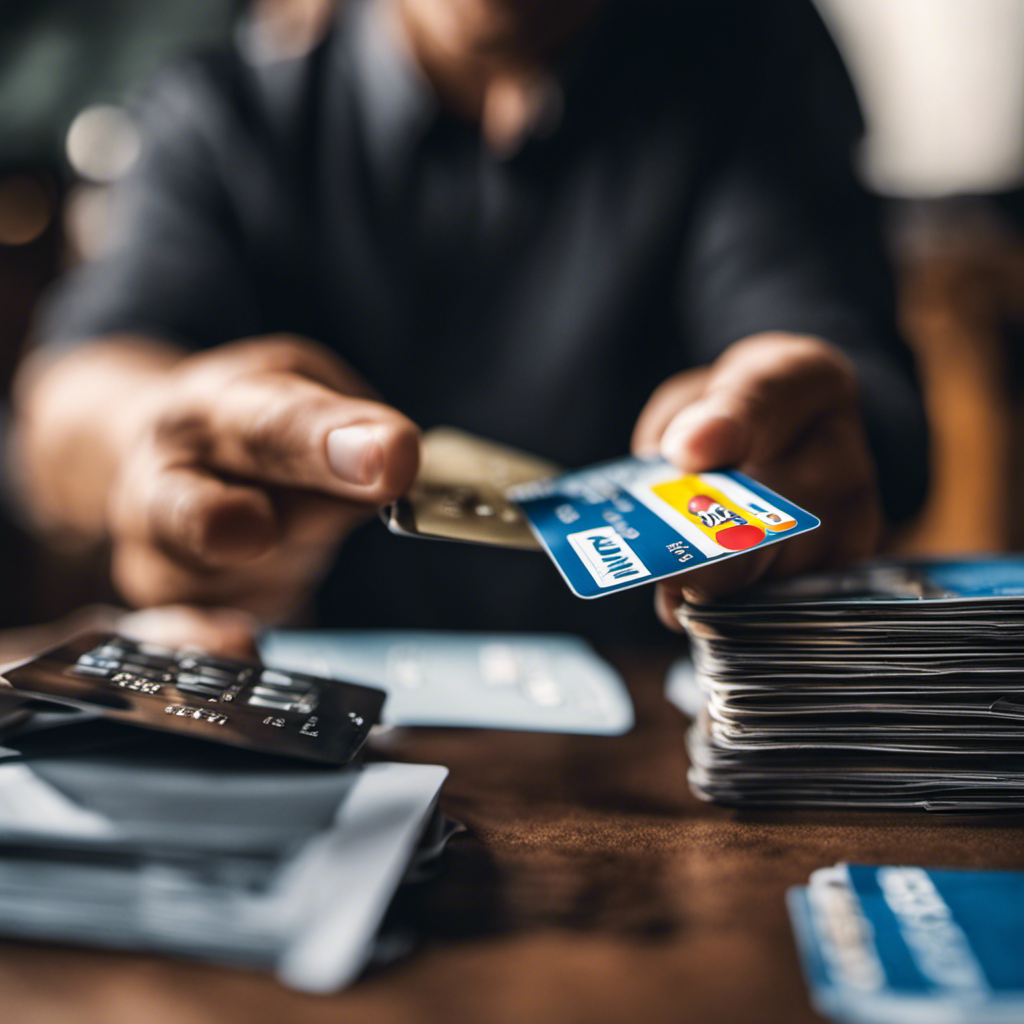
609, 527
886, 945
116, 837
896, 685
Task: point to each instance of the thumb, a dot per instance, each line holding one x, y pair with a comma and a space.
283, 429
762, 394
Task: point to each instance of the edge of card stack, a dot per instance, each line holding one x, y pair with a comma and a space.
877, 687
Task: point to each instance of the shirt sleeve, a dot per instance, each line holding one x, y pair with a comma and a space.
176, 267
783, 236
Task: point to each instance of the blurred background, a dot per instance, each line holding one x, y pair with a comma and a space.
942, 85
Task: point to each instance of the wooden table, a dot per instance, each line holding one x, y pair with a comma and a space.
591, 887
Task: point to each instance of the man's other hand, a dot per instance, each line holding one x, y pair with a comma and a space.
784, 409
244, 468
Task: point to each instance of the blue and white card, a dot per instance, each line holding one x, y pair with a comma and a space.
913, 944
958, 934
636, 520
534, 682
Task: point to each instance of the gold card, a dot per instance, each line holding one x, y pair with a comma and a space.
459, 493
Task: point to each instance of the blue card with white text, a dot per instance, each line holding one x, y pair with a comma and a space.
636, 520
894, 944
949, 932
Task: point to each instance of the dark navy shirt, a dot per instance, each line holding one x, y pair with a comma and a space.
695, 188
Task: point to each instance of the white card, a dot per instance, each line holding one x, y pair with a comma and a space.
534, 682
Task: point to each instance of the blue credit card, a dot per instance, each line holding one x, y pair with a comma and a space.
957, 933
900, 943
634, 521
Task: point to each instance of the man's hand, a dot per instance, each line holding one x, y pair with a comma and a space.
229, 477
247, 467
784, 409
223, 631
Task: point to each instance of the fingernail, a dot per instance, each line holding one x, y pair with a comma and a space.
355, 454
681, 429
700, 435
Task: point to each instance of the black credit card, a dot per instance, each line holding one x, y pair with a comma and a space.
199, 695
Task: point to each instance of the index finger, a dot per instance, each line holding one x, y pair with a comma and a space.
729, 575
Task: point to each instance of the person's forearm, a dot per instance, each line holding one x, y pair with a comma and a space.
75, 412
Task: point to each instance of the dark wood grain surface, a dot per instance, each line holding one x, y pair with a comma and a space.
590, 887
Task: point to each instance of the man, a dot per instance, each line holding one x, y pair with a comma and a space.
524, 218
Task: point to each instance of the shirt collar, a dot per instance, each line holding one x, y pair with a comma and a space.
396, 103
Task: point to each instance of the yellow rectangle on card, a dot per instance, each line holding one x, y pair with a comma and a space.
712, 512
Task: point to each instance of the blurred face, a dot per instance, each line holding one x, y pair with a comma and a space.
489, 60
520, 31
